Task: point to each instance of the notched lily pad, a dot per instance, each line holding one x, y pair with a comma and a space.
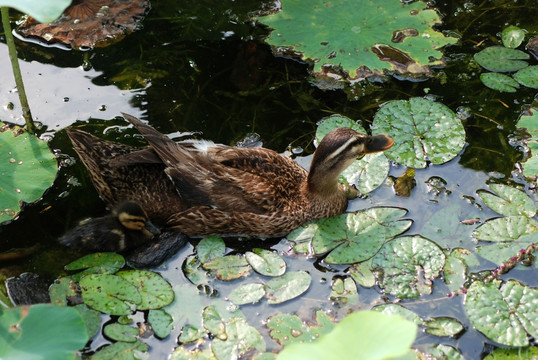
507, 314
109, 294
210, 248
228, 267
119, 332
247, 294
528, 77
287, 328
510, 201
423, 131
266, 262
443, 326
161, 322
500, 82
154, 290
287, 287
502, 59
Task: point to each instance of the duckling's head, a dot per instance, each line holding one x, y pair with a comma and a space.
132, 217
337, 151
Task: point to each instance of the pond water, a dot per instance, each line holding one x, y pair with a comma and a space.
203, 67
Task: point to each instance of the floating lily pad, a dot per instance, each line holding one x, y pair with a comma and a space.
241, 338
91, 318
500, 252
210, 248
329, 123
529, 120
506, 314
500, 82
27, 169
288, 329
344, 291
528, 77
422, 130
247, 294
441, 351
61, 289
97, 263
193, 270
395, 309
358, 336
356, 237
154, 290
287, 287
161, 322
228, 267
443, 326
362, 273
409, 265
109, 294
44, 11
530, 352
119, 332
501, 59
455, 269
121, 351
213, 322
506, 228
371, 36
266, 262
510, 201
512, 37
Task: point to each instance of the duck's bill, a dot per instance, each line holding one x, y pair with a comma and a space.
378, 143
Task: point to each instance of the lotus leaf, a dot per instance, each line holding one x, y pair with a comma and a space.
512, 37
501, 59
528, 77
505, 314
500, 82
409, 264
510, 201
371, 36
121, 351
161, 322
247, 294
422, 130
241, 338
109, 294
358, 336
43, 11
287, 287
154, 290
119, 332
288, 329
27, 169
266, 262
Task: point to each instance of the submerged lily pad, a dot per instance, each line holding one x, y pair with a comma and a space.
510, 201
287, 287
240, 339
528, 76
512, 37
500, 82
506, 314
422, 130
502, 59
27, 169
371, 36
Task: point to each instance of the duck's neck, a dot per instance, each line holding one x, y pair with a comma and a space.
323, 183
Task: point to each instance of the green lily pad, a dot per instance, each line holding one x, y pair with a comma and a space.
210, 248
109, 294
530, 352
119, 332
409, 264
455, 269
512, 36
500, 82
500, 252
97, 263
395, 309
510, 201
362, 273
91, 318
266, 262
443, 326
43, 11
213, 322
358, 336
121, 351
241, 338
247, 294
506, 314
229, 267
193, 270
441, 351
344, 291
501, 59
356, 237
190, 334
288, 329
27, 169
287, 287
528, 77
529, 120
505, 229
44, 331
61, 289
422, 130
329, 123
161, 322
154, 290
371, 36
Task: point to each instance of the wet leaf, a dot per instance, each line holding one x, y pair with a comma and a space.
91, 318
358, 336
505, 228
372, 36
109, 294
409, 264
443, 326
210, 248
329, 123
362, 273
287, 287
422, 130
442, 351
512, 36
247, 294
369, 172
121, 351
118, 332
501, 59
344, 291
529, 120
266, 262
154, 290
395, 309
61, 289
193, 270
455, 269
510, 201
42, 11
500, 82
27, 169
530, 352
97, 263
356, 237
506, 314
528, 77
229, 267
405, 183
501, 252
190, 334
288, 329
182, 353
161, 322
241, 338
214, 323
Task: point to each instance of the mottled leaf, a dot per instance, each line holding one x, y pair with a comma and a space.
247, 294
505, 228
121, 351
109, 294
161, 322
443, 326
288, 329
500, 82
287, 287
344, 291
228, 267
266, 262
210, 248
528, 77
501, 59
118, 332
512, 36
154, 290
455, 269
510, 201
241, 338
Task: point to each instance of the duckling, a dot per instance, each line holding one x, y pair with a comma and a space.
125, 228
204, 188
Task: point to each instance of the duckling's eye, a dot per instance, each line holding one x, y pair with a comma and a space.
132, 222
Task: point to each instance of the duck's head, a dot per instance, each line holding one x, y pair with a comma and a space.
337, 151
132, 217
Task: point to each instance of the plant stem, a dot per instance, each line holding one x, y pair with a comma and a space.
17, 70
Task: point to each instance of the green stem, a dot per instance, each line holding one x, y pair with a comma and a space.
17, 70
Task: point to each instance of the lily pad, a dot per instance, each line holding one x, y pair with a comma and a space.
329, 123
344, 291
210, 248
287, 287
443, 326
43, 11
395, 309
91, 318
528, 77
266, 262
500, 252
423, 131
161, 322
510, 201
500, 82
109, 294
409, 264
155, 292
247, 294
27, 169
506, 314
502, 59
441, 351
213, 322
229, 267
119, 332
512, 37
529, 120
96, 263
362, 273
455, 269
121, 351
371, 36
193, 270
506, 228
530, 352
288, 329
241, 338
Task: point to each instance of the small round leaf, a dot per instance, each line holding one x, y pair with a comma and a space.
528, 77
266, 262
287, 286
500, 82
501, 59
247, 294
512, 37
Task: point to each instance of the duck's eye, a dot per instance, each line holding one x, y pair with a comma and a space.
132, 222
